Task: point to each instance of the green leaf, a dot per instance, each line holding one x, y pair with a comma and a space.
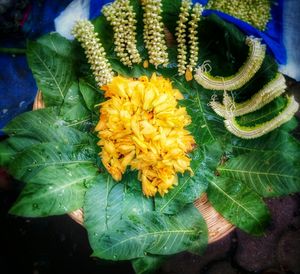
207, 127
170, 13
91, 94
50, 59
148, 264
6, 153
238, 204
44, 125
204, 163
107, 202
153, 233
74, 109
277, 141
267, 113
98, 214
189, 188
135, 202
105, 33
19, 143
269, 174
54, 191
29, 162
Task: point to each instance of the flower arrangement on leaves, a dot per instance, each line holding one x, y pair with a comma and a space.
135, 129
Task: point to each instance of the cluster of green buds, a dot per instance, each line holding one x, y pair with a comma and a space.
84, 32
193, 35
181, 35
122, 18
185, 66
154, 36
254, 12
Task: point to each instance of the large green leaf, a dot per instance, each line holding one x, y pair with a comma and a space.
44, 125
91, 94
19, 143
278, 141
269, 174
153, 233
55, 190
74, 109
6, 153
51, 59
97, 213
29, 162
107, 202
238, 204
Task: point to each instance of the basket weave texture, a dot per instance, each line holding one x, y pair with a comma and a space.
218, 227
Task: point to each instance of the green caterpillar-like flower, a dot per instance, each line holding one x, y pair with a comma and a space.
259, 130
193, 37
154, 36
267, 94
255, 12
245, 73
181, 35
84, 32
121, 16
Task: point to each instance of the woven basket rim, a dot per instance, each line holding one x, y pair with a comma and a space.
218, 227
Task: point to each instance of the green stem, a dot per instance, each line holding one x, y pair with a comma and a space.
13, 50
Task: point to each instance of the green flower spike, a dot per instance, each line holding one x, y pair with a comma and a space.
122, 18
84, 32
181, 35
193, 35
154, 36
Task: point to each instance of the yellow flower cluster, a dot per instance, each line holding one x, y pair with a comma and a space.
181, 35
121, 16
141, 126
154, 36
194, 43
84, 32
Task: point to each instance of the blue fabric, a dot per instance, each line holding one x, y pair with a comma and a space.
17, 86
272, 37
96, 6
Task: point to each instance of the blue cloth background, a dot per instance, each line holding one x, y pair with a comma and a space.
18, 88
